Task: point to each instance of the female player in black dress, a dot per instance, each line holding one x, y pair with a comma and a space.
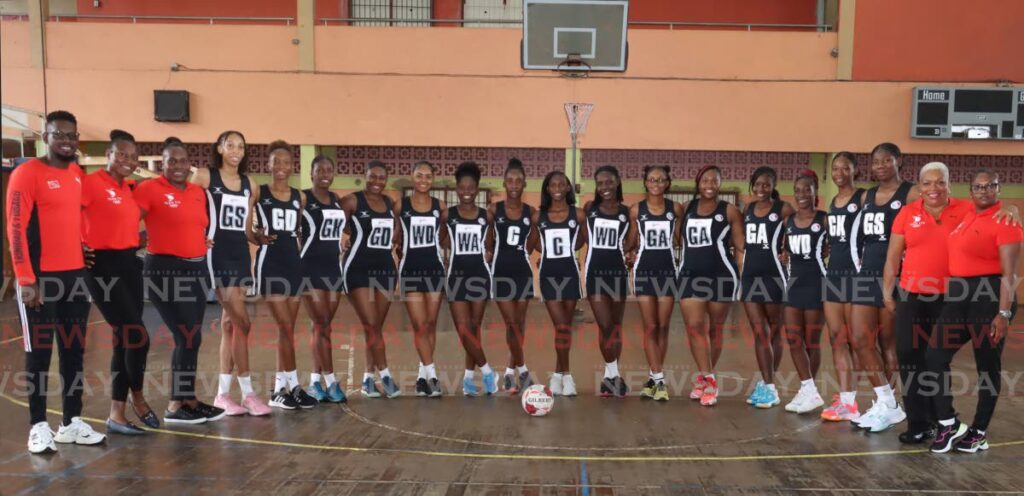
278, 273
844, 217
654, 231
421, 270
323, 222
708, 276
512, 273
606, 278
370, 273
806, 245
558, 227
763, 280
469, 274
231, 196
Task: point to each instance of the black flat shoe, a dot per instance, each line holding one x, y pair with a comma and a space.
149, 418
918, 437
128, 429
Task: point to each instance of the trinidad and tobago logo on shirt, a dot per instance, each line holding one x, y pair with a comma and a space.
171, 201
113, 196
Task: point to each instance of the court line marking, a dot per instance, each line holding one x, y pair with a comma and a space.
513, 456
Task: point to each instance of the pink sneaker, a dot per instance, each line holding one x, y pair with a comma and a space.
255, 405
698, 388
710, 396
231, 408
839, 412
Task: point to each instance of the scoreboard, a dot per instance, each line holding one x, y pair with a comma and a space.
971, 113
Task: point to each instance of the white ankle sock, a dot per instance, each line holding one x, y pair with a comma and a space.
280, 381
224, 384
431, 371
385, 372
808, 385
658, 377
314, 378
422, 372
847, 397
522, 370
486, 369
245, 384
510, 371
771, 387
469, 374
367, 375
885, 395
330, 379
611, 369
947, 422
293, 379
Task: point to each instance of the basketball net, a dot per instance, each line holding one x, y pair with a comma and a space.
578, 114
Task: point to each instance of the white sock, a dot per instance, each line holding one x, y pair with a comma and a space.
979, 431
771, 387
710, 376
510, 371
885, 395
422, 373
808, 385
224, 384
367, 375
293, 379
522, 370
280, 381
611, 369
330, 379
486, 369
385, 372
658, 377
431, 371
650, 374
469, 374
245, 384
557, 376
947, 422
314, 378
847, 397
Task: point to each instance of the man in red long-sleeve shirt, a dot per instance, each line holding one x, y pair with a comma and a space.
44, 203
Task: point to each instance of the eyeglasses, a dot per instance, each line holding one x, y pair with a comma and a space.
61, 135
990, 187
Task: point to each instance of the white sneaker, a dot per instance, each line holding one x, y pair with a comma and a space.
40, 439
881, 417
78, 432
568, 385
806, 400
555, 385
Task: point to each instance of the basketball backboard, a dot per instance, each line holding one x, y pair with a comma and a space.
574, 35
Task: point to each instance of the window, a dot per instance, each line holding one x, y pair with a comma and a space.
390, 9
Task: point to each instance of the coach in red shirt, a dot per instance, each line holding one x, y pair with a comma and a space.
43, 225
983, 260
919, 244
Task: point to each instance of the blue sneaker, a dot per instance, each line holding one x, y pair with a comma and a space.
335, 394
317, 392
755, 393
370, 389
768, 398
491, 383
469, 387
391, 388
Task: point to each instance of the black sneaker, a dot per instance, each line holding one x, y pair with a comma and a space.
917, 437
211, 412
283, 399
303, 399
525, 381
435, 388
509, 384
972, 442
948, 436
422, 388
607, 387
184, 415
648, 390
621, 390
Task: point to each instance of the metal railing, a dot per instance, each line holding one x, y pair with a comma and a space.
326, 21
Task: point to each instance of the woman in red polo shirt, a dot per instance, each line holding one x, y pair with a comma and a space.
110, 226
983, 258
919, 248
174, 271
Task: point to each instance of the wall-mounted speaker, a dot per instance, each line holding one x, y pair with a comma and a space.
170, 105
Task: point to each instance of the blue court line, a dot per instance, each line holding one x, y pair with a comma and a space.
584, 480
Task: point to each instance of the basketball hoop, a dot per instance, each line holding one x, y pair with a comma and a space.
579, 115
573, 67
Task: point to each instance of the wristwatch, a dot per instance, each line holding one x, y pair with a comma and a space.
1006, 314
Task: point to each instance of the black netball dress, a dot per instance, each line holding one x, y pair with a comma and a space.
421, 269
844, 255
228, 260
708, 270
278, 269
469, 276
654, 272
763, 279
369, 263
876, 230
559, 272
322, 226
806, 262
604, 267
511, 272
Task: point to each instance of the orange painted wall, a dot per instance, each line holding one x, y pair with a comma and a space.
939, 40
407, 86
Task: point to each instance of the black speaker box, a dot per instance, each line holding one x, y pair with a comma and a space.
170, 105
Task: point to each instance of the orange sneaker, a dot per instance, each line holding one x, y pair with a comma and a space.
839, 412
710, 396
698, 388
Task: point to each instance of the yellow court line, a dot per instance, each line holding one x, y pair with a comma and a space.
12, 340
499, 456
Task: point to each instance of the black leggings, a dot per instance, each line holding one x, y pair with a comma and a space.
176, 288
65, 310
916, 316
116, 288
971, 305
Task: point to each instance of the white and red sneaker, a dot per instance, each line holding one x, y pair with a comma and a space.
698, 388
839, 412
710, 396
